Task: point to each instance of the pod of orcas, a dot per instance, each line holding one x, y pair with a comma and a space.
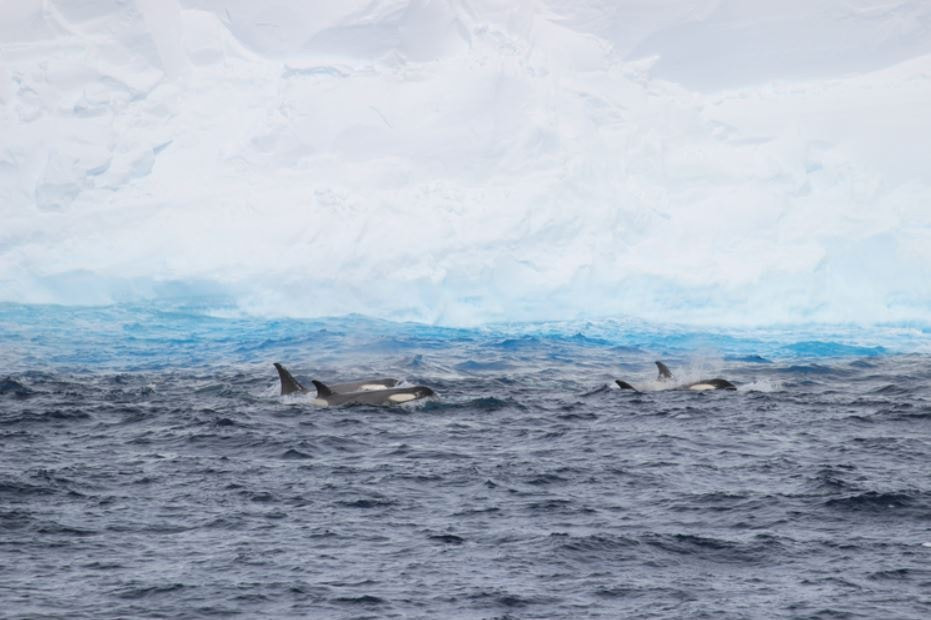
696, 386
365, 392
385, 391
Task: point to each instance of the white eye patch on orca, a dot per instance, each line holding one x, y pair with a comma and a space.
402, 398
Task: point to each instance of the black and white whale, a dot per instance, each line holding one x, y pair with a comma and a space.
326, 397
696, 386
366, 392
290, 385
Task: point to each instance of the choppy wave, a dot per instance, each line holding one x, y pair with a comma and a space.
149, 468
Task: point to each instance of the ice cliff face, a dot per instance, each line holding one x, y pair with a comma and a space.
458, 161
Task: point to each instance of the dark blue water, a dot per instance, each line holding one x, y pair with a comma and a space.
150, 470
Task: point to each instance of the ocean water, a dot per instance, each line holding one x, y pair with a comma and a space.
149, 469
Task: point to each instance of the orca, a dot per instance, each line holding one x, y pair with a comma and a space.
367, 392
696, 386
326, 397
290, 385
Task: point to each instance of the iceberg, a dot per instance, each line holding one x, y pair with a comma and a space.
458, 162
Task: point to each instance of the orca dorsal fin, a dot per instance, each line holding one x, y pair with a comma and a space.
625, 386
663, 371
322, 390
289, 385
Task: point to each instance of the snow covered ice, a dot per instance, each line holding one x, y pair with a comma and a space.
457, 162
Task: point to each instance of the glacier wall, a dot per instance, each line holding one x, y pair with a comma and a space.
463, 161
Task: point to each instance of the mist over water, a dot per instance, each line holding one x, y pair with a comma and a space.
457, 162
